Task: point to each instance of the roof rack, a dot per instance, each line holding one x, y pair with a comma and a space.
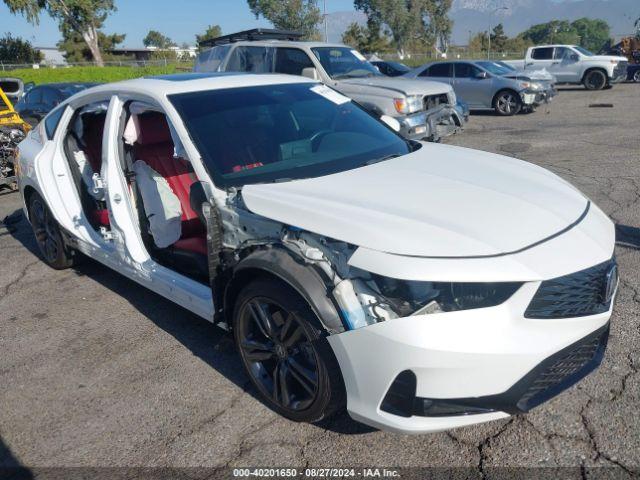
251, 35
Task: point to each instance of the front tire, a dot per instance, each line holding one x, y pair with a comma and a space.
48, 234
595, 80
636, 76
507, 103
285, 352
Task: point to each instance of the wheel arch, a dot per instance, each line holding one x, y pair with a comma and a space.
280, 265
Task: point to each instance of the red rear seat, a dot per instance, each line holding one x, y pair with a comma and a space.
93, 131
154, 146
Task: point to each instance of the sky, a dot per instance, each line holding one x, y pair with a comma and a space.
179, 20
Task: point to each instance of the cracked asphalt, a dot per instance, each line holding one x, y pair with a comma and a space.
96, 371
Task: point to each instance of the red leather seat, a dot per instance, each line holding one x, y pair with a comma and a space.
154, 146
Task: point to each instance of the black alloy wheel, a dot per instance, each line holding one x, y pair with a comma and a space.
287, 358
48, 235
595, 80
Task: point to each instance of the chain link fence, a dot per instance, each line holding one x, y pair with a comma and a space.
180, 64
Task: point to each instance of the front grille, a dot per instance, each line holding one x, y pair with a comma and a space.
432, 101
575, 364
621, 69
575, 295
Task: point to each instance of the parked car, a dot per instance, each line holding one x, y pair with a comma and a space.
391, 69
481, 89
13, 88
424, 286
574, 64
41, 99
633, 73
542, 82
424, 110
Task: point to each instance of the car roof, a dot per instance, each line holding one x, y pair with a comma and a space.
193, 82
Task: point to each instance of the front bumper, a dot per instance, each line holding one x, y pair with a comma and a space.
481, 359
432, 125
619, 73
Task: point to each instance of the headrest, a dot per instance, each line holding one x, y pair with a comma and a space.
153, 129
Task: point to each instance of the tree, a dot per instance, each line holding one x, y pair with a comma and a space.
17, 50
555, 31
84, 17
365, 39
593, 34
213, 31
410, 23
75, 49
158, 40
498, 39
298, 15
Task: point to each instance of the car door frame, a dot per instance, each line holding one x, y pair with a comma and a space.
460, 83
538, 64
187, 292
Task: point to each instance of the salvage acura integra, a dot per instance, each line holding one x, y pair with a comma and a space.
424, 286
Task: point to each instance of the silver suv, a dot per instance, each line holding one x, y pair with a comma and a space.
425, 110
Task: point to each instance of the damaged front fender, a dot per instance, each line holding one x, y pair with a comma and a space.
305, 279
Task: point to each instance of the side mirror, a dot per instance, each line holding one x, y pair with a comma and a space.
391, 122
481, 75
575, 57
310, 72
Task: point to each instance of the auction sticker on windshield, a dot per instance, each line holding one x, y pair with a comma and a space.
358, 55
329, 94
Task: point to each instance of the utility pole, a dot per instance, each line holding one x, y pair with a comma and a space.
326, 34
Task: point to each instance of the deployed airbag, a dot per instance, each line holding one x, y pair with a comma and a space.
161, 206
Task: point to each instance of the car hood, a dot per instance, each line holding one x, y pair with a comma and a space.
440, 201
606, 58
403, 85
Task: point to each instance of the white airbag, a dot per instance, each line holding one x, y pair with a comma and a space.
161, 206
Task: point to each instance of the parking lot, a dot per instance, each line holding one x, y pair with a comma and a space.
96, 371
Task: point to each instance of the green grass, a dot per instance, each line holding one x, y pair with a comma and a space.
88, 74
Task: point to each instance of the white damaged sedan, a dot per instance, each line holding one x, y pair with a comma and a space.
422, 286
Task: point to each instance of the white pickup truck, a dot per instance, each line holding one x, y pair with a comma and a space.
573, 64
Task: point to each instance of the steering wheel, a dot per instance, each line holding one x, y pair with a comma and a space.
317, 138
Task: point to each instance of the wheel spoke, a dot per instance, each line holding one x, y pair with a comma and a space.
283, 371
305, 377
284, 330
261, 318
257, 351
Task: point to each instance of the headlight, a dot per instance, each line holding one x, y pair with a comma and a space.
525, 85
409, 104
411, 296
373, 298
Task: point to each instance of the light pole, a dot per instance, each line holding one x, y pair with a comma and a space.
493, 13
326, 35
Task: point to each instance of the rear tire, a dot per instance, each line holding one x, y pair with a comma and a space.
636, 76
48, 235
507, 103
285, 352
595, 80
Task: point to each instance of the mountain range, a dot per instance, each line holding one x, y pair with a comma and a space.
472, 16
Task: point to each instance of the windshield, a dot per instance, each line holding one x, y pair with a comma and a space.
495, 68
344, 62
584, 51
282, 132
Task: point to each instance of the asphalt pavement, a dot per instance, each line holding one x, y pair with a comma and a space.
96, 371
